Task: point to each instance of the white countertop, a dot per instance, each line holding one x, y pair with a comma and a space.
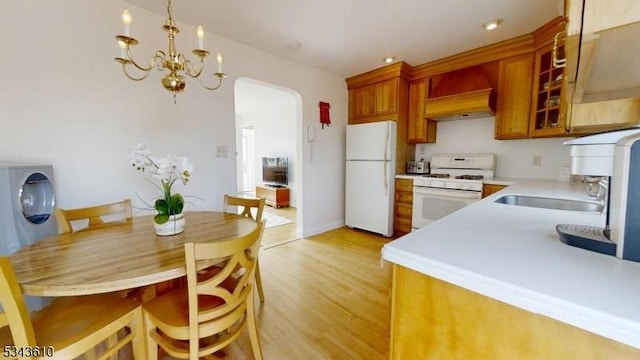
513, 254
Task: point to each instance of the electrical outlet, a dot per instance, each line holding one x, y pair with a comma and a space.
536, 160
421, 150
221, 151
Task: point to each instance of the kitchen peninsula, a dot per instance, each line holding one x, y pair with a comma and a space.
493, 281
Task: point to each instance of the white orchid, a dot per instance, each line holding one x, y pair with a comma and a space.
168, 170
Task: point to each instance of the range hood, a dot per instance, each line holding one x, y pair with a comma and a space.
461, 94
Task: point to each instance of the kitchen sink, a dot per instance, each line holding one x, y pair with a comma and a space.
550, 203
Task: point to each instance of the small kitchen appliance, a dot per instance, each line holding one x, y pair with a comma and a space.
417, 167
614, 156
454, 181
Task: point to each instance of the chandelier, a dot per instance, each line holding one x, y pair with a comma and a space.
171, 61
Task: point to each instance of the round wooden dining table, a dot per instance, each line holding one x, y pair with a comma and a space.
117, 257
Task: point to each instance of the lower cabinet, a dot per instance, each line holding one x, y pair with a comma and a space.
433, 319
403, 206
488, 189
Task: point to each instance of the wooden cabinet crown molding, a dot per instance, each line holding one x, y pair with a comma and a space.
398, 70
546, 33
494, 52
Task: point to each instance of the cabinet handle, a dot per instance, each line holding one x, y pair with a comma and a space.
558, 63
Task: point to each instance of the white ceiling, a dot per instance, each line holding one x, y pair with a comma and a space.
349, 37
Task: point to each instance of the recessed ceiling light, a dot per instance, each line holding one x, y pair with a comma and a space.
389, 59
490, 25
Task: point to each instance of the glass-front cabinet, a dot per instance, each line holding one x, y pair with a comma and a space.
548, 111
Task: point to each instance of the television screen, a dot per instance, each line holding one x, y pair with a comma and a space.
274, 170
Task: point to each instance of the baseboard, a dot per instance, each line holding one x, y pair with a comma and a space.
321, 229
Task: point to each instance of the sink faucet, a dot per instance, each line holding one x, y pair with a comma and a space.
603, 186
597, 187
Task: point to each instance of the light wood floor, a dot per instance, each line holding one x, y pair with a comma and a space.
278, 235
327, 297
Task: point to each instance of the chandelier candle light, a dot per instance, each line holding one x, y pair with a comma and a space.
174, 62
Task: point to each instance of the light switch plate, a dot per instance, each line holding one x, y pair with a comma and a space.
536, 160
222, 151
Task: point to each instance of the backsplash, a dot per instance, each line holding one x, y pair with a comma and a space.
515, 158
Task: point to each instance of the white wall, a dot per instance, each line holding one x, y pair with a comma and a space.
67, 103
513, 156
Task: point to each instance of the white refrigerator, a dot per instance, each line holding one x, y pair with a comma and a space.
370, 172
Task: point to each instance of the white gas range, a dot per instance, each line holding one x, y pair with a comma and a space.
455, 181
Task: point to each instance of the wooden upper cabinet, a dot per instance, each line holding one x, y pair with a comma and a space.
514, 97
386, 97
379, 95
361, 102
548, 103
548, 108
419, 129
374, 100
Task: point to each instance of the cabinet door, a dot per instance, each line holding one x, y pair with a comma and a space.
386, 97
403, 206
419, 129
548, 108
361, 101
514, 97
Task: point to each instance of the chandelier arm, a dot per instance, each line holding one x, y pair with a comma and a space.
148, 68
191, 69
144, 76
160, 55
220, 77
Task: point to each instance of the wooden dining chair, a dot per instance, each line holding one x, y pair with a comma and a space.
246, 207
214, 308
94, 215
100, 216
66, 329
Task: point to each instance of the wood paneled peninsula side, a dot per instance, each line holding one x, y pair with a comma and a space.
493, 281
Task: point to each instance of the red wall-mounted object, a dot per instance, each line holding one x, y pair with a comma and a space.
324, 113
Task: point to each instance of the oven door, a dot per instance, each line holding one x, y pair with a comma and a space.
430, 204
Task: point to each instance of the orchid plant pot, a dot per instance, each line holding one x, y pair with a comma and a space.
175, 225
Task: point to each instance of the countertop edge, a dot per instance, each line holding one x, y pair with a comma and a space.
615, 328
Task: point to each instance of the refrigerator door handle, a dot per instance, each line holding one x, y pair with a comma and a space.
386, 162
386, 143
386, 184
